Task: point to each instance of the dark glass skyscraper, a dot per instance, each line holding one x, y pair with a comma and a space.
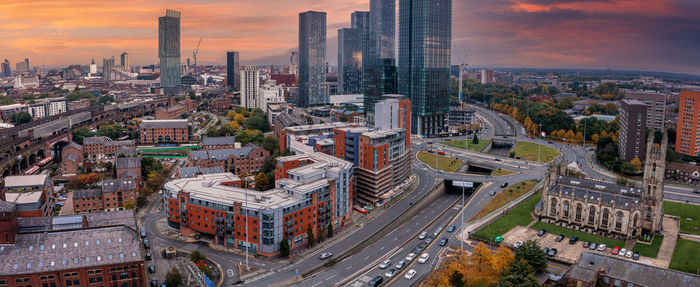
379, 53
349, 61
6, 71
169, 48
425, 39
383, 28
312, 59
233, 70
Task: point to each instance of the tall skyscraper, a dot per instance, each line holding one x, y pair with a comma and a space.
312, 59
107, 65
6, 70
688, 129
125, 61
169, 48
250, 86
425, 40
26, 61
379, 52
633, 127
93, 67
233, 71
349, 61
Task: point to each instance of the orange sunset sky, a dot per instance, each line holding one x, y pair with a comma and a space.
656, 35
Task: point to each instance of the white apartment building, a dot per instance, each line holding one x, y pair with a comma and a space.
270, 93
250, 87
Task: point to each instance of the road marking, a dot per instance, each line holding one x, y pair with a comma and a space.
367, 257
319, 283
330, 277
346, 269
380, 249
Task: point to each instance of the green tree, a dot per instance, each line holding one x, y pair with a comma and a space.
173, 278
80, 133
113, 131
23, 118
320, 233
531, 252
261, 182
309, 236
242, 111
330, 230
5, 100
284, 247
149, 164
519, 274
246, 136
256, 121
475, 140
271, 143
105, 99
456, 279
197, 256
141, 200
129, 204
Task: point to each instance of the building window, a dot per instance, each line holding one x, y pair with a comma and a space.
618, 220
591, 216
579, 209
606, 214
566, 209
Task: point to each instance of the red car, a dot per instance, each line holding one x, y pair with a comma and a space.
615, 250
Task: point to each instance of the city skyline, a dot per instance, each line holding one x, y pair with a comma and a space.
638, 35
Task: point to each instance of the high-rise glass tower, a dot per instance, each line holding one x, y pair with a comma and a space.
380, 51
6, 70
312, 59
233, 70
349, 61
382, 14
125, 61
169, 48
425, 39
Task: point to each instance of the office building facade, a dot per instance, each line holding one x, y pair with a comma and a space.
312, 59
688, 128
380, 55
6, 70
250, 87
633, 126
164, 131
169, 48
425, 40
233, 70
349, 61
656, 107
124, 57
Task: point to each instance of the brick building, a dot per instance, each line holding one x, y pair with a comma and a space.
129, 167
71, 158
245, 160
164, 131
112, 195
79, 104
633, 127
33, 195
75, 250
102, 147
316, 192
214, 143
683, 173
688, 128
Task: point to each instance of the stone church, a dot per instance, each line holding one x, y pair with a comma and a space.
605, 208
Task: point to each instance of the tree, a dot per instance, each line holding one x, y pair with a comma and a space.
456, 279
240, 119
531, 252
141, 200
80, 133
570, 135
113, 130
284, 247
636, 163
149, 164
271, 143
595, 138
320, 233
242, 111
173, 278
5, 100
330, 230
502, 259
23, 118
256, 121
246, 136
475, 140
309, 236
129, 204
89, 178
197, 256
482, 256
231, 115
520, 274
261, 182
235, 126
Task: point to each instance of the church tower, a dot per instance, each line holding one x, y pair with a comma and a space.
653, 184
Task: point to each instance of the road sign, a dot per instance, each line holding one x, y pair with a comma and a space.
467, 184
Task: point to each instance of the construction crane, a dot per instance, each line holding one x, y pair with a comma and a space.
194, 54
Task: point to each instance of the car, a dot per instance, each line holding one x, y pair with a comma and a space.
390, 273
325, 255
622, 252
409, 275
586, 244
384, 264
143, 232
493, 193
152, 268
629, 254
593, 246
552, 252
635, 256
429, 239
601, 247
443, 241
422, 235
149, 256
451, 228
437, 231
410, 256
498, 239
146, 244
546, 250
400, 265
518, 244
573, 240
559, 238
497, 159
154, 283
503, 185
377, 281
615, 250
418, 249
697, 191
423, 258
542, 232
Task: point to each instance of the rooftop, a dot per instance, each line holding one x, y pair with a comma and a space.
326, 126
121, 184
25, 180
192, 171
222, 154
24, 197
179, 123
87, 193
219, 141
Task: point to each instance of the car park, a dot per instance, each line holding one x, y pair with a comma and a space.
616, 250
410, 256
390, 273
423, 258
518, 244
573, 240
384, 264
451, 228
593, 246
401, 264
601, 247
422, 235
635, 256
377, 281
552, 252
409, 275
325, 255
560, 238
542, 232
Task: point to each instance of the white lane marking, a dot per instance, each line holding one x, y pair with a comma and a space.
367, 257
330, 277
380, 249
319, 283
349, 267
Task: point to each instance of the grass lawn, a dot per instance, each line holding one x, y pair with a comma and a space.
501, 171
528, 151
582, 236
684, 211
473, 147
504, 197
444, 163
685, 256
649, 250
520, 215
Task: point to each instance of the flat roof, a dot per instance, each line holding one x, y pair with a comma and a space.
25, 180
24, 197
178, 123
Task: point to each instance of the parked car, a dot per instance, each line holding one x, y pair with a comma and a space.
615, 250
542, 232
498, 239
546, 250
560, 238
601, 247
390, 273
143, 232
422, 235
384, 264
400, 265
586, 244
437, 231
697, 191
146, 244
503, 185
451, 228
152, 268
409, 275
552, 252
573, 240
410, 256
154, 283
518, 244
635, 256
629, 254
149, 256
377, 281
443, 241
593, 246
622, 252
423, 258
429, 239
325, 255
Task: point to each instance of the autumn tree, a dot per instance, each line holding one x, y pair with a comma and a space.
240, 119
235, 126
456, 279
482, 256
636, 163
502, 259
261, 182
231, 115
570, 135
595, 138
